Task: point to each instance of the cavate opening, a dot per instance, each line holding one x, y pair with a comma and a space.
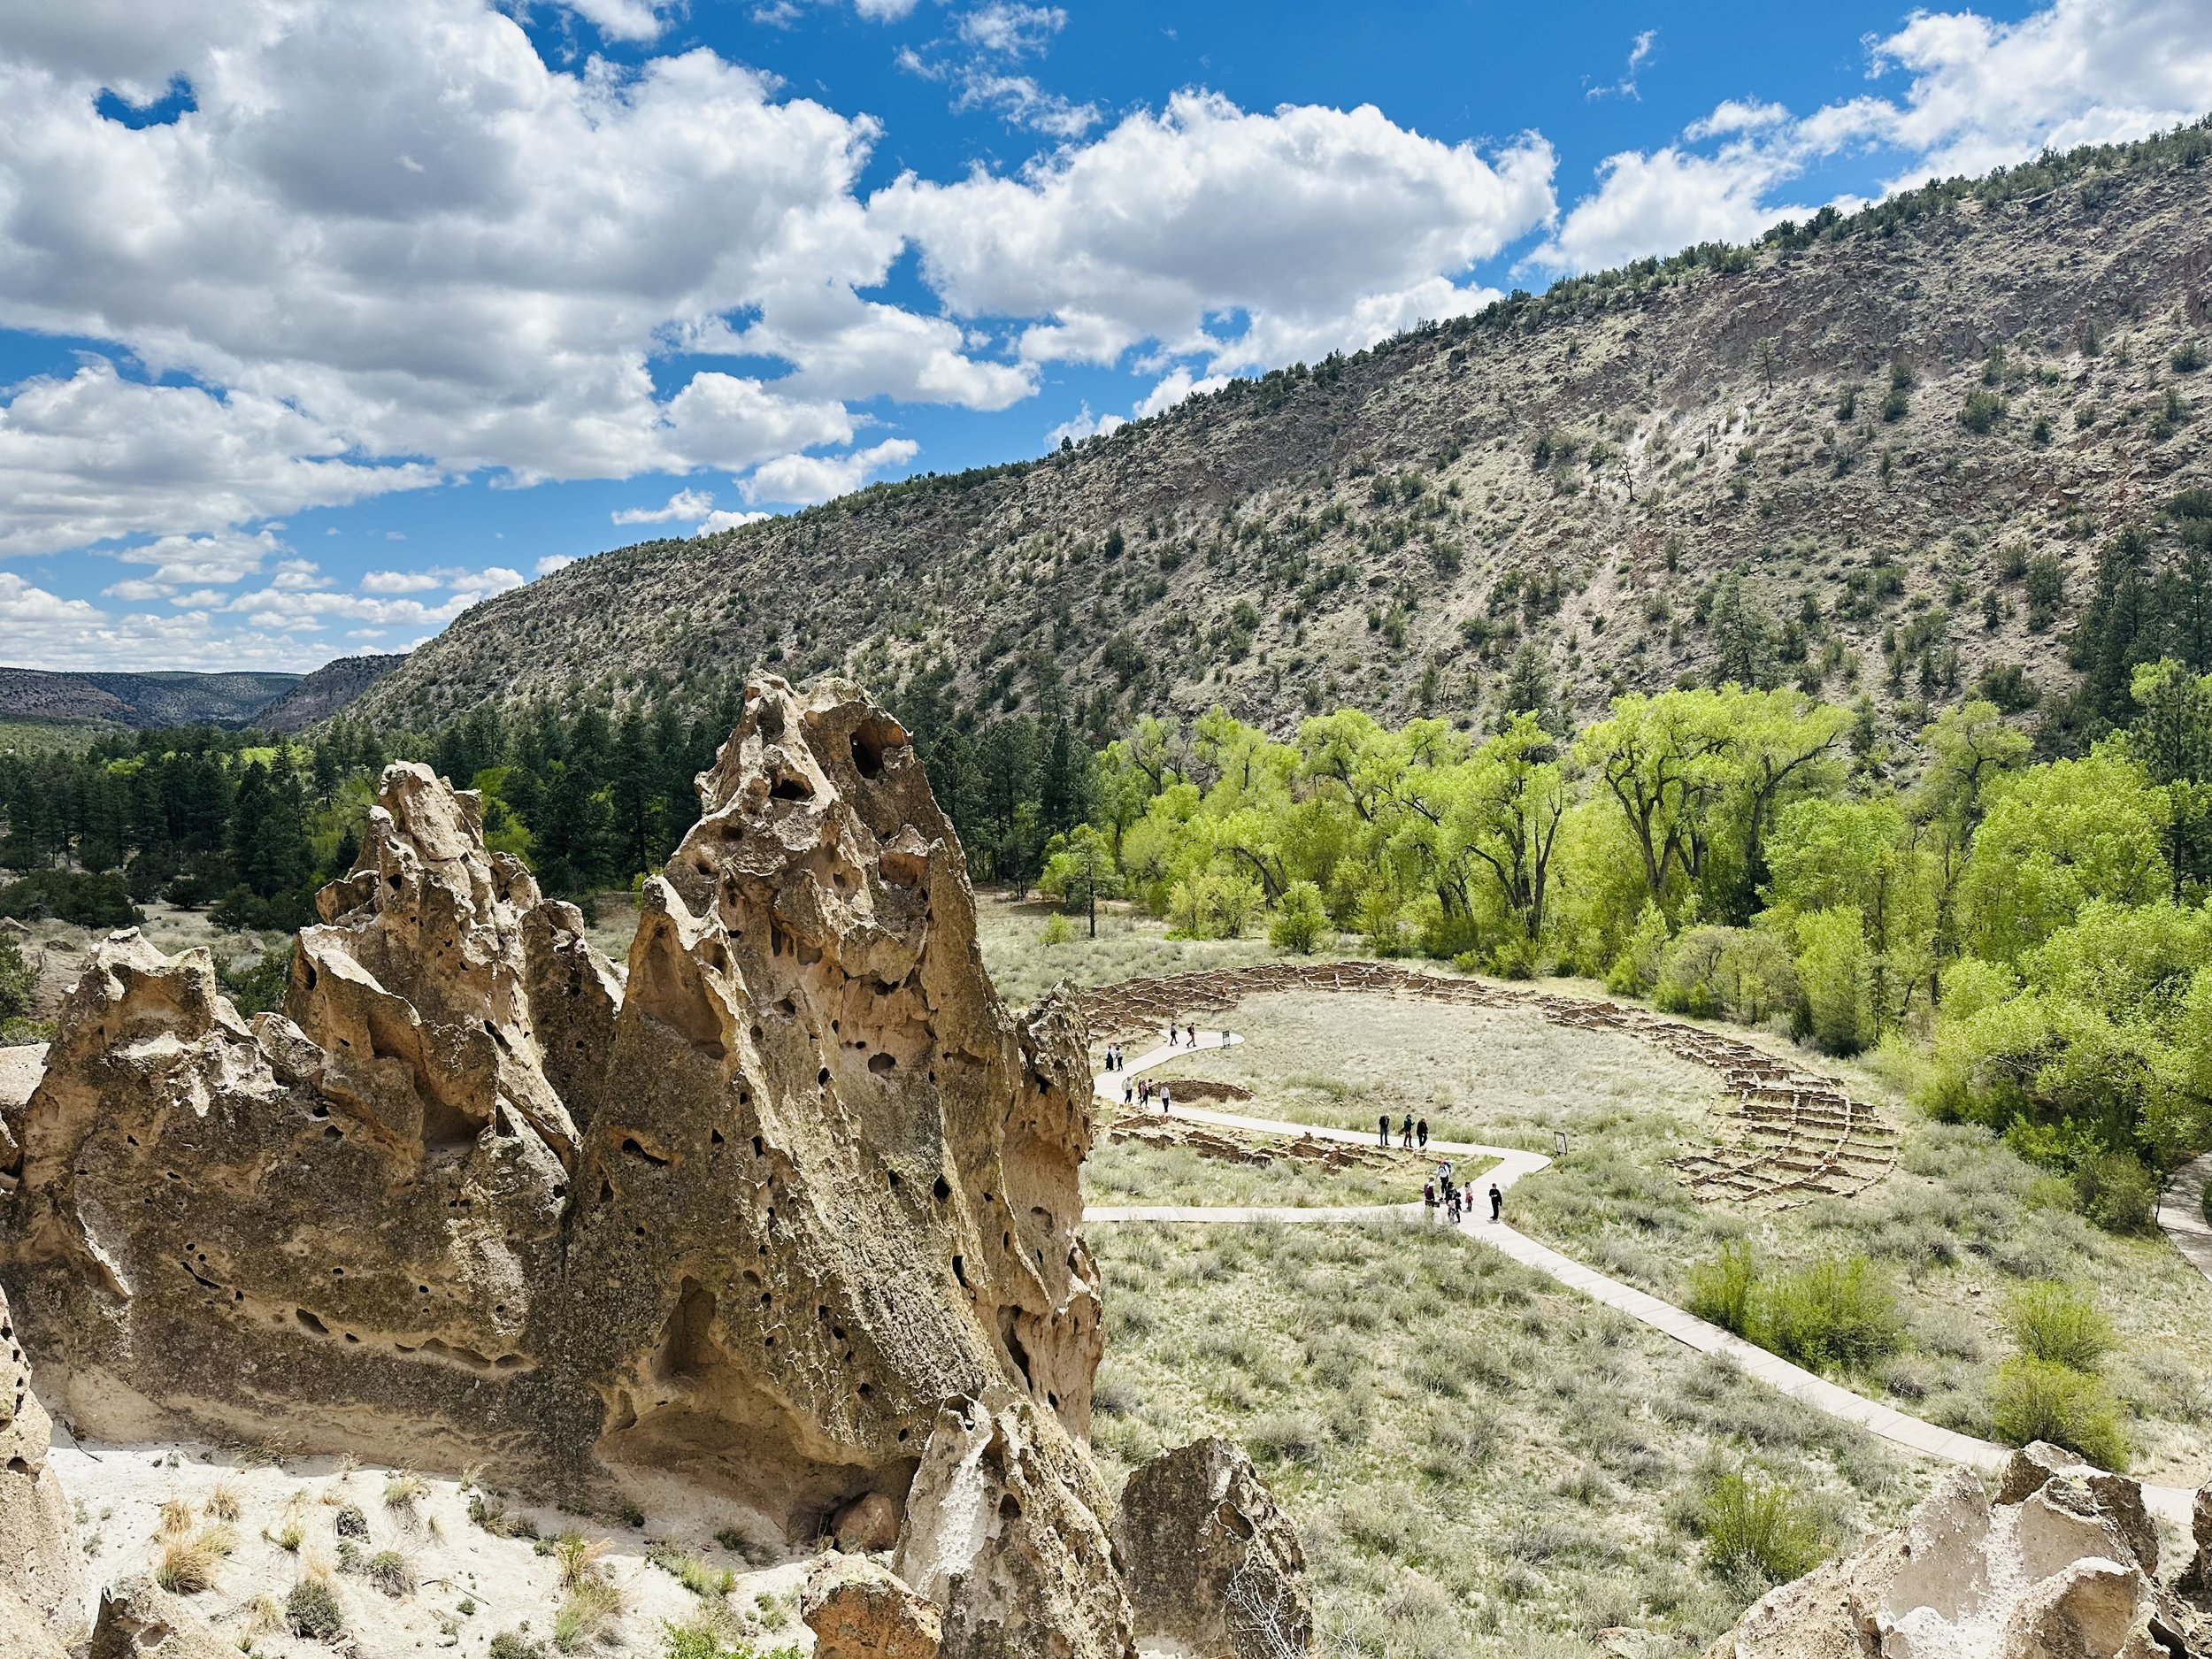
789, 788
635, 1148
309, 1322
882, 1064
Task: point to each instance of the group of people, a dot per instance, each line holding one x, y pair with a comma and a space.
1140, 1092
1440, 1191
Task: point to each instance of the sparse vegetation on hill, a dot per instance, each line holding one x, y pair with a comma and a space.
1873, 455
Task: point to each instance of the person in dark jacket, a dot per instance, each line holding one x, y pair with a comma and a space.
1382, 1132
1497, 1202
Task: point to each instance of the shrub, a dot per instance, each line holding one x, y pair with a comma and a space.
1981, 412
2116, 1193
187, 1560
1723, 1291
89, 901
1837, 1312
1059, 930
2188, 357
2042, 1400
1757, 1526
2058, 1322
693, 1574
590, 1606
513, 1644
388, 1571
578, 1557
259, 987
312, 1610
402, 1490
1300, 919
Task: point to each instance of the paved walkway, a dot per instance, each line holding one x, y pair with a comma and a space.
2173, 1503
2181, 1213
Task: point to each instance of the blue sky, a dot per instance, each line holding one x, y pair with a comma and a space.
319, 322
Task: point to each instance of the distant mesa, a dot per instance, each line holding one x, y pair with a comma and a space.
283, 703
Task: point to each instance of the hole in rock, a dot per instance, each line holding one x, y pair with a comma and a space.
715, 1136
943, 1189
309, 1322
630, 1144
822, 1076
960, 1270
881, 1064
789, 788
1010, 1507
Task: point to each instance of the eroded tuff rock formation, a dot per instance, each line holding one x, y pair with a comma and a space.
1210, 1561
1004, 1533
41, 1586
2064, 1565
747, 1221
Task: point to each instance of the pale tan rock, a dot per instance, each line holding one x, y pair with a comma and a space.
1209, 1558
139, 1620
869, 1522
747, 1219
1002, 1535
2051, 1574
859, 1611
41, 1566
23, 1633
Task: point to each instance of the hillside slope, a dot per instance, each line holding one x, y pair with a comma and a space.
140, 700
1874, 454
328, 689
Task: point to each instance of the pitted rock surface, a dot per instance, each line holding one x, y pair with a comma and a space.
42, 1585
1210, 1559
747, 1221
859, 1611
1003, 1534
2054, 1569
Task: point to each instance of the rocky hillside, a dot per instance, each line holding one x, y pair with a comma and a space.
326, 691
1872, 454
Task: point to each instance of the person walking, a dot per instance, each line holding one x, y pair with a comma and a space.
1192, 1033
1405, 1132
1428, 1194
1166, 1099
1382, 1132
1497, 1202
1128, 1092
1451, 1204
1423, 1130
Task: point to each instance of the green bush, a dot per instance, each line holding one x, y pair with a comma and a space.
19, 984
2058, 1322
311, 1610
1982, 411
2116, 1193
1836, 1313
1300, 919
2042, 1400
87, 900
1724, 1291
1752, 1526
258, 987
513, 1644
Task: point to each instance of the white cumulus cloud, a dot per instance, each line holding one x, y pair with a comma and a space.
1315, 224
804, 480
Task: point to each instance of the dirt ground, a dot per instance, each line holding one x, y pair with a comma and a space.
426, 1576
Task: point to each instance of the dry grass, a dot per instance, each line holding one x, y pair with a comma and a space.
578, 1557
224, 1501
185, 1561
1129, 946
1479, 1461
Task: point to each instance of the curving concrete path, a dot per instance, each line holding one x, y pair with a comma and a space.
2181, 1213
2173, 1503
